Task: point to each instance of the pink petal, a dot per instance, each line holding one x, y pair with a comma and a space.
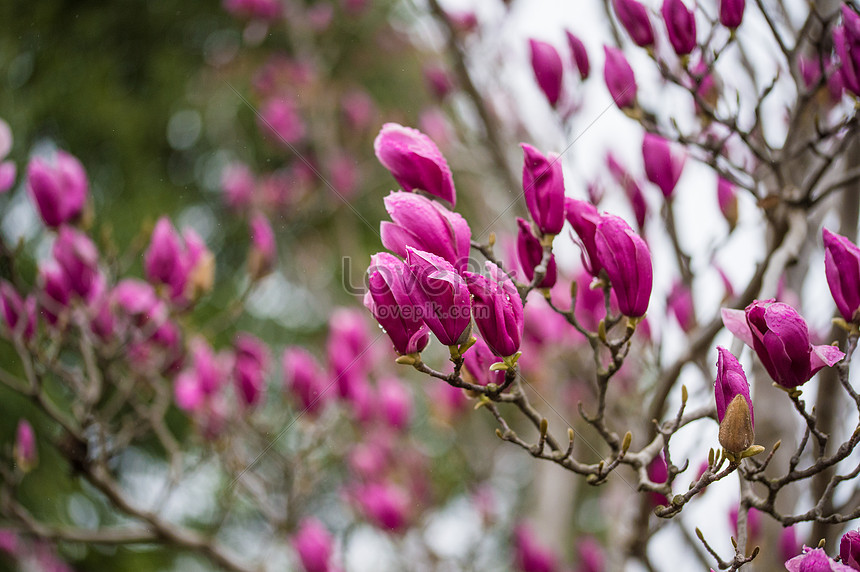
735, 321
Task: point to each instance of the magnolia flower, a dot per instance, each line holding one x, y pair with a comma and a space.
780, 338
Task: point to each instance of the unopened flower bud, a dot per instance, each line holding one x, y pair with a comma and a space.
842, 268
664, 162
619, 78
58, 186
634, 17
543, 186
414, 161
548, 69
681, 26
580, 55
732, 13
263, 252
313, 543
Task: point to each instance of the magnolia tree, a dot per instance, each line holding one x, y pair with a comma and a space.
568, 389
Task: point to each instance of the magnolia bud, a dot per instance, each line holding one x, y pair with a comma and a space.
736, 430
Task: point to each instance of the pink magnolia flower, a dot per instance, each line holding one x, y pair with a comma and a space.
619, 78
664, 162
529, 554
634, 17
426, 225
78, 257
849, 549
842, 268
627, 261
477, 364
58, 186
732, 13
498, 310
395, 403
442, 294
280, 119
388, 299
543, 186
264, 250
681, 26
548, 69
815, 560
780, 338
304, 379
250, 368
313, 543
579, 55
414, 161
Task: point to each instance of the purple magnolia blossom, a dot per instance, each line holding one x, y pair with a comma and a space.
530, 555
591, 556
25, 451
780, 338
530, 253
584, 218
663, 162
543, 185
280, 120
442, 295
680, 303
846, 41
264, 249
842, 268
423, 224
19, 314
681, 26
58, 186
498, 310
619, 77
55, 292
313, 543
249, 368
204, 379
849, 549
634, 17
734, 406
732, 13
731, 381
384, 504
815, 560
388, 299
414, 161
727, 198
627, 261
78, 257
395, 403
164, 259
548, 69
348, 349
478, 361
579, 54
304, 379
